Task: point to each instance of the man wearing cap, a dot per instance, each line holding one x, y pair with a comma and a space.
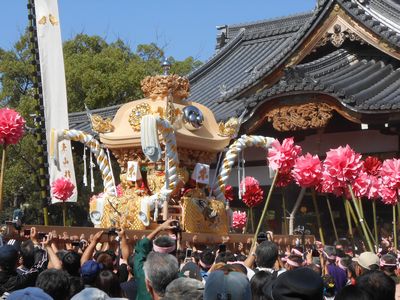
365, 262
163, 244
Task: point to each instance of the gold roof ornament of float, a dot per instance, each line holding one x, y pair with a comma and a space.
194, 124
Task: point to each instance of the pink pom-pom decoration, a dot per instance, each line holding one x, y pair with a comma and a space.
62, 188
283, 156
12, 126
239, 219
307, 170
361, 185
341, 167
389, 196
253, 195
120, 190
283, 179
390, 173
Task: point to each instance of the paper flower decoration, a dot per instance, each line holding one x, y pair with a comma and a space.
390, 173
307, 170
372, 165
283, 156
11, 126
229, 193
253, 195
374, 186
120, 190
341, 167
361, 185
283, 179
388, 195
62, 188
239, 219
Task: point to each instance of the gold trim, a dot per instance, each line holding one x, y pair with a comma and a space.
137, 113
160, 86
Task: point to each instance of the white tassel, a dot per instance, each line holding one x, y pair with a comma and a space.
92, 165
111, 170
84, 166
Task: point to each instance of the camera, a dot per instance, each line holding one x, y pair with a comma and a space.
76, 243
188, 253
27, 232
41, 235
111, 231
176, 227
222, 248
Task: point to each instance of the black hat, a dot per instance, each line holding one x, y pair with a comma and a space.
298, 284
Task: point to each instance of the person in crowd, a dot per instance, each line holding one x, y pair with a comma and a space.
184, 289
257, 283
55, 283
377, 284
329, 287
162, 244
129, 287
160, 269
293, 262
367, 261
29, 293
206, 260
108, 282
337, 273
352, 292
89, 271
299, 284
388, 264
227, 284
264, 256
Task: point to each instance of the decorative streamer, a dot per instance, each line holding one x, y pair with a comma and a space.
212, 186
239, 177
243, 172
84, 167
92, 184
112, 172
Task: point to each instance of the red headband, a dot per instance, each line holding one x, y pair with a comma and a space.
382, 263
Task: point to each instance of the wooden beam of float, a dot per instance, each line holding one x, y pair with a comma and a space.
134, 235
241, 143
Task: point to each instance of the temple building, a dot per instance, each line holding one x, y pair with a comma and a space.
329, 77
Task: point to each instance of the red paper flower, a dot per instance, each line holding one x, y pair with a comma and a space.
389, 196
62, 188
307, 170
11, 126
372, 165
283, 156
341, 167
390, 173
253, 194
239, 219
229, 193
283, 179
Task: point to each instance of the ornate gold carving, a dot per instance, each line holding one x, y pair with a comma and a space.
137, 113
123, 155
174, 113
189, 157
101, 125
158, 87
337, 37
229, 128
304, 116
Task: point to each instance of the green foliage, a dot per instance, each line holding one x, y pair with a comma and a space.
98, 74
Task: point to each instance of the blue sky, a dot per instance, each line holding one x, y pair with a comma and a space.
183, 27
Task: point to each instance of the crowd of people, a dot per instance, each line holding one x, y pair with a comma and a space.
108, 266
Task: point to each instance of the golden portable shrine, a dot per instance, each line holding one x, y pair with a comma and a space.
164, 147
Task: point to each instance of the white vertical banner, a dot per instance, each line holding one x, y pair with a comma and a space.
54, 91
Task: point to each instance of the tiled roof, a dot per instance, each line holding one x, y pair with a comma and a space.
362, 83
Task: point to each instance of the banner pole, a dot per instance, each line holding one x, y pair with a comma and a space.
40, 124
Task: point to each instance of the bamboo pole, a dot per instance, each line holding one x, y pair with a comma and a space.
252, 219
285, 224
320, 230
294, 210
332, 219
394, 229
364, 229
375, 224
346, 208
64, 212
3, 167
358, 224
264, 212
